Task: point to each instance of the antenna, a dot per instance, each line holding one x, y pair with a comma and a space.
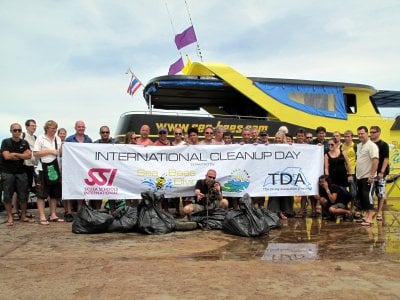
172, 25
197, 41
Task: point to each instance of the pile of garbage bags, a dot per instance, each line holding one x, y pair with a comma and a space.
149, 218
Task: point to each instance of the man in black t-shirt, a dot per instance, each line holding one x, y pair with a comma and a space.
14, 151
383, 168
206, 190
333, 199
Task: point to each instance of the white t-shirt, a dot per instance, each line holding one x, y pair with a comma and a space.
365, 155
44, 143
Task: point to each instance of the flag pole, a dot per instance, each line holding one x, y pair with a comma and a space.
172, 25
197, 41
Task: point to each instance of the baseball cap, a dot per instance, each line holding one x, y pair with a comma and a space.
162, 129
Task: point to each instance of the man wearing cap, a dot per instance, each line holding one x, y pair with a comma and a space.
162, 138
144, 136
264, 137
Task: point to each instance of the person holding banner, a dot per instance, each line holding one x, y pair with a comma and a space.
205, 191
48, 148
144, 136
281, 205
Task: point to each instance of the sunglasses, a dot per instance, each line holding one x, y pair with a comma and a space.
308, 137
17, 130
211, 177
209, 132
162, 132
331, 145
178, 133
104, 132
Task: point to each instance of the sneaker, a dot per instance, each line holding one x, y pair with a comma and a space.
68, 217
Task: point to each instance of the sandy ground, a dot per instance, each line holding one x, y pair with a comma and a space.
50, 262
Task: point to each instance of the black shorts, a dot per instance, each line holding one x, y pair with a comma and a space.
43, 191
365, 192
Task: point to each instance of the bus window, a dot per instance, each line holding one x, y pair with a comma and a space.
351, 103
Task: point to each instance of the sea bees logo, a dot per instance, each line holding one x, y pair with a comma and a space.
158, 184
238, 181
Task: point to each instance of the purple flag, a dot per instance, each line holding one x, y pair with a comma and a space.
176, 67
185, 38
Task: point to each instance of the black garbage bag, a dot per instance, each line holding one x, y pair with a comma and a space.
90, 220
125, 219
216, 217
271, 218
151, 218
247, 221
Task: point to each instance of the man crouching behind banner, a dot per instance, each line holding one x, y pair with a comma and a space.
206, 190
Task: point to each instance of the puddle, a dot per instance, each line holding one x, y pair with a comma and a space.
315, 239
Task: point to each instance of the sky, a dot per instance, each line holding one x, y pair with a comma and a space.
67, 60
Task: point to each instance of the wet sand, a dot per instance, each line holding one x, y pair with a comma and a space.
308, 258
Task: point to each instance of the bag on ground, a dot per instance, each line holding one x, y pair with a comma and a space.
247, 221
151, 218
90, 220
125, 219
214, 220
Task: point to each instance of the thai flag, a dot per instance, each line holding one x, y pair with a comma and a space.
133, 85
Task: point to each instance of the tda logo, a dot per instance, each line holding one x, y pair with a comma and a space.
101, 176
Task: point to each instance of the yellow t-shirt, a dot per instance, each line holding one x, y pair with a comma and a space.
351, 154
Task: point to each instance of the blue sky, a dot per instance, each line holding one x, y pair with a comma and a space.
66, 60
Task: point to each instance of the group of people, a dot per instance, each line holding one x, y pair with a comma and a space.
352, 172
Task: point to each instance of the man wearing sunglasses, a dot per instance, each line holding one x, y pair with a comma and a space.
105, 136
208, 136
205, 191
178, 137
14, 151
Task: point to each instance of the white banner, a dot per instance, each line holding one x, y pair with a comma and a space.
119, 171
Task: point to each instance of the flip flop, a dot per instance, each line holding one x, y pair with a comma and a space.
28, 220
56, 220
365, 223
16, 216
44, 222
9, 224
